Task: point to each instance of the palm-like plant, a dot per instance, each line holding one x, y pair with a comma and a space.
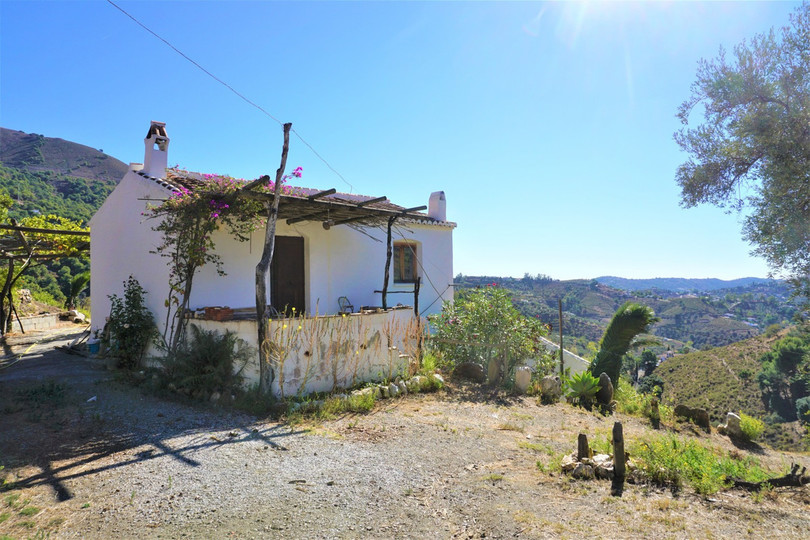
629, 321
77, 285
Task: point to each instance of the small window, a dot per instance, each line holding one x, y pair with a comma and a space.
404, 263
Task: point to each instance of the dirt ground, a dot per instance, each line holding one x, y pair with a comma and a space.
88, 457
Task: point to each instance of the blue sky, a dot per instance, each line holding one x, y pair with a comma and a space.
548, 125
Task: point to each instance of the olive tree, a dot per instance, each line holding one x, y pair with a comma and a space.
750, 147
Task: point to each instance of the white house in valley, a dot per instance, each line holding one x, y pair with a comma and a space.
330, 255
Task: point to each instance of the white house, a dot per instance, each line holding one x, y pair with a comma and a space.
328, 245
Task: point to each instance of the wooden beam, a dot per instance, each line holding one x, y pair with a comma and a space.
259, 181
370, 201
46, 231
322, 194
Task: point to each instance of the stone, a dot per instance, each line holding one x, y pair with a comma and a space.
583, 471
605, 394
417, 383
385, 392
438, 378
550, 389
76, 316
732, 426
604, 471
403, 388
470, 371
523, 378
494, 372
568, 463
393, 390
215, 397
699, 416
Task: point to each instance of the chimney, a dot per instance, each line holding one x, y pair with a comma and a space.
156, 158
437, 206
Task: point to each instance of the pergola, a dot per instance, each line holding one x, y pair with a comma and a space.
28, 244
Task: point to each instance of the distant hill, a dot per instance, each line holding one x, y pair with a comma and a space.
709, 319
45, 175
677, 284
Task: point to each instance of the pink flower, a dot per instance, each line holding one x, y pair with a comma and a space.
298, 172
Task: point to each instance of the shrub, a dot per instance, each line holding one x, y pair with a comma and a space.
487, 316
668, 460
208, 362
803, 409
581, 389
131, 326
651, 384
751, 427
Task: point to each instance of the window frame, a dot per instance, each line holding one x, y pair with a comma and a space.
398, 261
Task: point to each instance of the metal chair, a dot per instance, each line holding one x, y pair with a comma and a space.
345, 305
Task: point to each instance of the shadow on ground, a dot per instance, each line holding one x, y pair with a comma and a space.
64, 416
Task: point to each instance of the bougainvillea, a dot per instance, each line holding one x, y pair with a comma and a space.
188, 220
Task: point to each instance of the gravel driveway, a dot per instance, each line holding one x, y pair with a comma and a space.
107, 461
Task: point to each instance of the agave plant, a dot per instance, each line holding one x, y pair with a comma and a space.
582, 389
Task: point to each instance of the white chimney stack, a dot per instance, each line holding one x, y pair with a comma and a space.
437, 206
156, 158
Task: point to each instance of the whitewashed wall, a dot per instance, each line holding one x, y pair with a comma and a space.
328, 353
120, 241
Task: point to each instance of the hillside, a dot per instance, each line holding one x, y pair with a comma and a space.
724, 379
711, 319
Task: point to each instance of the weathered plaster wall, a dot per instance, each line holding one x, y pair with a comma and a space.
328, 353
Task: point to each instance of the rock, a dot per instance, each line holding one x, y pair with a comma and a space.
699, 416
370, 391
417, 383
385, 392
605, 393
583, 471
494, 372
523, 377
604, 471
732, 427
215, 397
403, 388
438, 378
393, 390
600, 459
568, 463
76, 317
550, 389
471, 371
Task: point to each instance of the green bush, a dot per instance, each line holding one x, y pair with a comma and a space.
131, 326
671, 461
751, 427
803, 409
208, 362
651, 384
481, 323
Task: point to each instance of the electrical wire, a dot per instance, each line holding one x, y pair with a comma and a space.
232, 89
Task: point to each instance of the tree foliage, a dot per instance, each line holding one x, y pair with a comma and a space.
629, 321
751, 148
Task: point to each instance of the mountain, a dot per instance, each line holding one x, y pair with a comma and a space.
37, 153
45, 175
677, 284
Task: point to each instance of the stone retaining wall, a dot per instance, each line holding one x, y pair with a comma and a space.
36, 322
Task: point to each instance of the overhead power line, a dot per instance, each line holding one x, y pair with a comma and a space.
232, 89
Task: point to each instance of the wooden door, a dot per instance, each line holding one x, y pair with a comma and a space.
287, 275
